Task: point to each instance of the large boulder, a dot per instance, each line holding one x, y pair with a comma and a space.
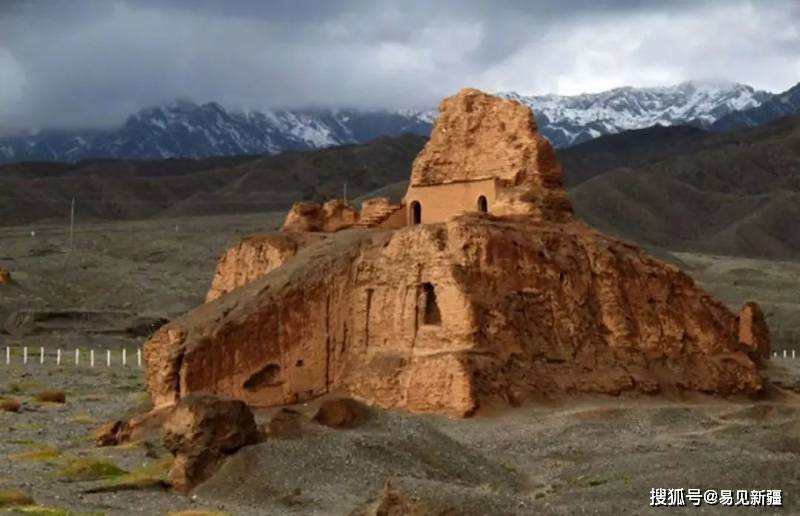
200, 431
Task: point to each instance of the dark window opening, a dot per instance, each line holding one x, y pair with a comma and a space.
483, 204
416, 212
299, 363
431, 313
269, 376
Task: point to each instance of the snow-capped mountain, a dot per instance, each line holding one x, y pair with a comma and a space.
186, 129
780, 105
569, 120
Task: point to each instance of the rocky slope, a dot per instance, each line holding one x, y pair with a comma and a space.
440, 317
736, 193
778, 106
187, 130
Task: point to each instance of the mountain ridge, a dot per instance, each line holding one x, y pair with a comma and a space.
184, 129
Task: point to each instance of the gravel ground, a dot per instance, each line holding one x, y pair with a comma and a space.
566, 457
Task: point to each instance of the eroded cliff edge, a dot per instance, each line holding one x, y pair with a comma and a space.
437, 317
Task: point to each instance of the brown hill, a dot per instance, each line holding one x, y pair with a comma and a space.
675, 187
129, 189
737, 193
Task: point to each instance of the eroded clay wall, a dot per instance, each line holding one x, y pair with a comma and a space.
440, 203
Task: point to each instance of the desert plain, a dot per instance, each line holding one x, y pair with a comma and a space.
115, 281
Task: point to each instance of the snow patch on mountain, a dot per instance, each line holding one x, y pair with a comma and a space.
182, 128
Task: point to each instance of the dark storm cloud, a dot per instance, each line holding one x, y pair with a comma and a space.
93, 62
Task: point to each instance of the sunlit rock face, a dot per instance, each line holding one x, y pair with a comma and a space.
520, 300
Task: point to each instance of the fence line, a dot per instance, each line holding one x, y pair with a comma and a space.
785, 354
62, 359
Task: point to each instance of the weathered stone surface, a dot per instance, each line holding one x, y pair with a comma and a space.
438, 317
200, 431
381, 212
338, 214
330, 217
753, 331
304, 216
478, 136
5, 277
339, 413
255, 256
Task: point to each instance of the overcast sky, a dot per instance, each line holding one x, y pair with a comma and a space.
81, 63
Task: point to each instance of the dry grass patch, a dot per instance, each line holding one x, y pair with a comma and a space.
15, 498
51, 396
9, 405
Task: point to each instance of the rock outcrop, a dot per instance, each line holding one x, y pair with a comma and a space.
200, 432
753, 331
478, 136
330, 217
439, 317
255, 256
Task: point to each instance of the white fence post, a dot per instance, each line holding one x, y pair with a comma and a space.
91, 357
24, 354
108, 358
139, 357
41, 355
8, 355
784, 353
124, 356
77, 356
58, 357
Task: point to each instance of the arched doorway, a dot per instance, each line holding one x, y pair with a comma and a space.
483, 204
416, 212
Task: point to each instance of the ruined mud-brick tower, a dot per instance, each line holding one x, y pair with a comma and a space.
486, 155
481, 286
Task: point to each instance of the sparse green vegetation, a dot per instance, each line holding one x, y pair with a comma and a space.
154, 474
43, 454
87, 468
14, 388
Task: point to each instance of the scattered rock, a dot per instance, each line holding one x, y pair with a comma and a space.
339, 413
110, 434
201, 431
5, 277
